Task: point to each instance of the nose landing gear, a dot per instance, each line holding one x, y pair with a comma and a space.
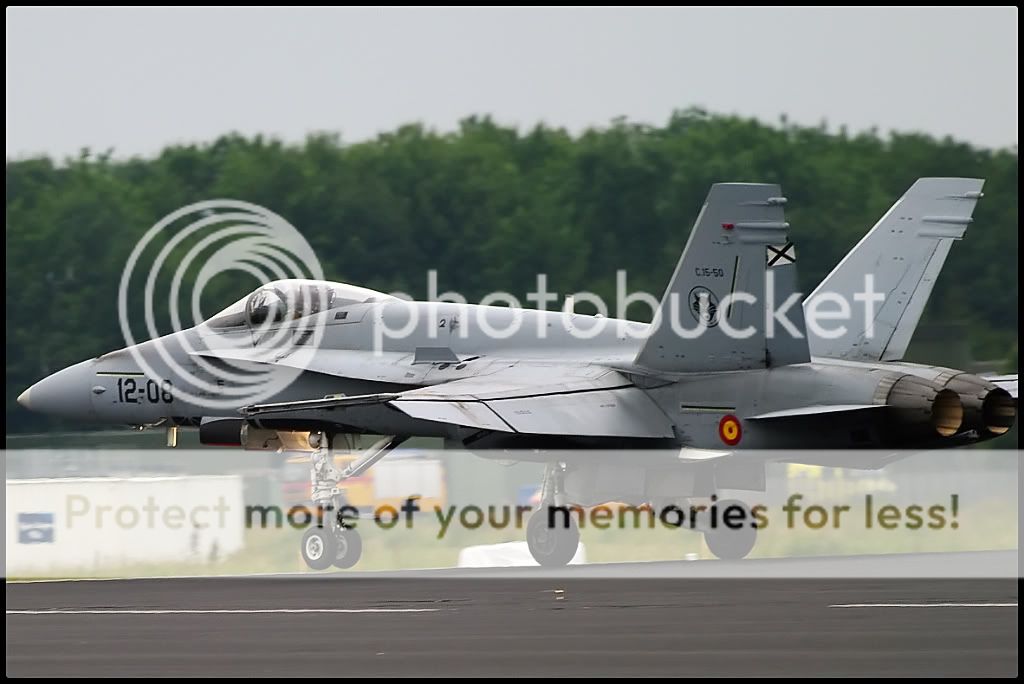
329, 545
333, 541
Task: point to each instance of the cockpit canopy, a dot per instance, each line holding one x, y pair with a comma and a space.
288, 300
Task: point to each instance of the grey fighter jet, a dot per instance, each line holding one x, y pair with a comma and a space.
725, 366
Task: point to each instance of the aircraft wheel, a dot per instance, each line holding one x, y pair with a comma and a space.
319, 548
551, 546
349, 548
727, 543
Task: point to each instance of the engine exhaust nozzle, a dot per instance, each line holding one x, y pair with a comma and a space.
922, 405
987, 408
998, 411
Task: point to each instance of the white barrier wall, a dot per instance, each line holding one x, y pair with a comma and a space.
92, 524
398, 478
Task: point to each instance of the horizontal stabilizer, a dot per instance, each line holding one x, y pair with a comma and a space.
695, 454
821, 409
1006, 382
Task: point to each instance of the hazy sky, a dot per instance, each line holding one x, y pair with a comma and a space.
136, 80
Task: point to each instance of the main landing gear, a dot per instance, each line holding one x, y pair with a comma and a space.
727, 543
727, 525
333, 541
552, 534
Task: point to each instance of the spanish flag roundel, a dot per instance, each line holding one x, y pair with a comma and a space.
729, 430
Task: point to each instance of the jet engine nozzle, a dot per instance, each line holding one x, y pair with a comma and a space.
923, 405
987, 408
998, 411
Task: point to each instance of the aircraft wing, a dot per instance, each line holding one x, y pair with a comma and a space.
524, 398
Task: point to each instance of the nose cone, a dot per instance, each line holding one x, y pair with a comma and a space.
64, 394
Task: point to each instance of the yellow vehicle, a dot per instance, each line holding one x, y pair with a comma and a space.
388, 483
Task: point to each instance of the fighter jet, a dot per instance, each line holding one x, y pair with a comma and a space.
716, 372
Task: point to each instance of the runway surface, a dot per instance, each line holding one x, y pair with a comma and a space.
581, 621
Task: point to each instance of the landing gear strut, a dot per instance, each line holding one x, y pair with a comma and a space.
551, 533
332, 541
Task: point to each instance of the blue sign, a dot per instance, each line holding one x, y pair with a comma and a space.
35, 528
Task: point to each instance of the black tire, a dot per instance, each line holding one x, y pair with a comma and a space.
319, 548
552, 547
727, 543
349, 548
